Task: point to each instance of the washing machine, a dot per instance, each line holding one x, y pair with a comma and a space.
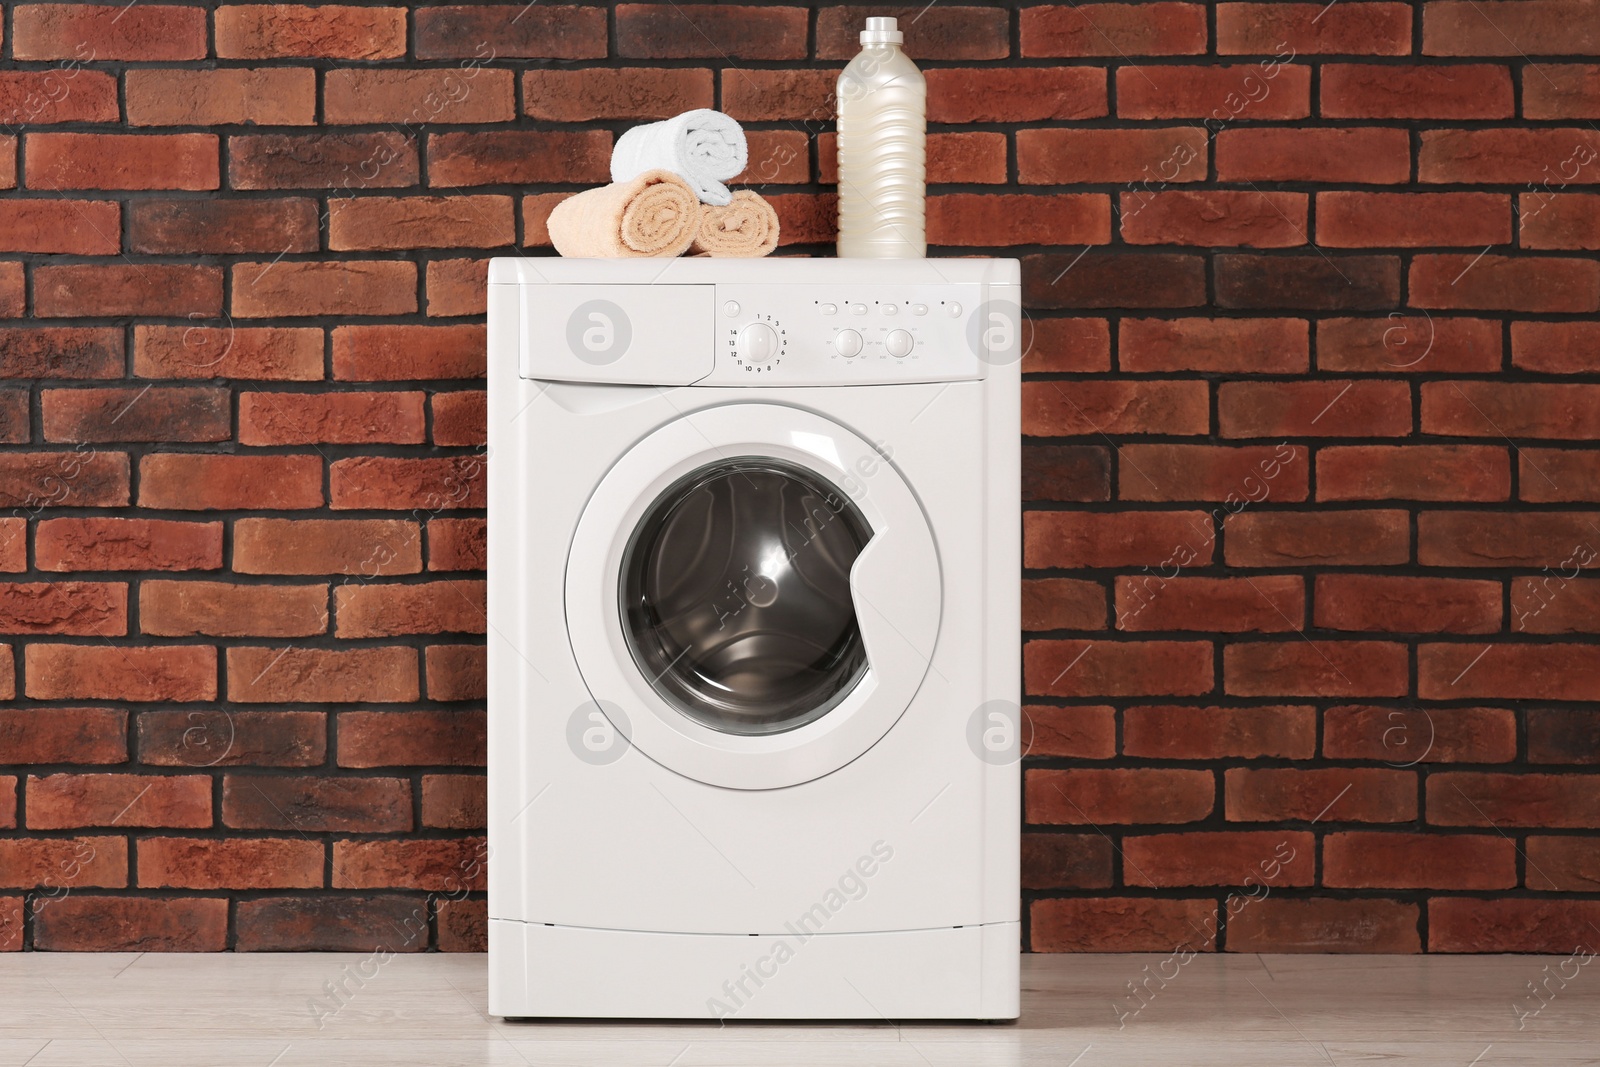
753, 654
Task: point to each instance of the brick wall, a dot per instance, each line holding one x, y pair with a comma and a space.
1310, 505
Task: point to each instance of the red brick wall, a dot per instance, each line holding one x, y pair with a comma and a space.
1311, 507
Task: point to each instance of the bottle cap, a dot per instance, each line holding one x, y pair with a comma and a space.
882, 31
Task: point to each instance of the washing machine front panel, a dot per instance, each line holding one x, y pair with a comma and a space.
753, 595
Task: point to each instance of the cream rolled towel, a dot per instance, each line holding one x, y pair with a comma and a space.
747, 227
652, 214
704, 147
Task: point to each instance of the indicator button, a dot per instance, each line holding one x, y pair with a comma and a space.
955, 310
847, 343
731, 308
899, 343
830, 309
919, 309
858, 309
891, 309
758, 343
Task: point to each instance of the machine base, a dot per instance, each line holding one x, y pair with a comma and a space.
963, 972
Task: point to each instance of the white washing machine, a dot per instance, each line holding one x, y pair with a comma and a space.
754, 638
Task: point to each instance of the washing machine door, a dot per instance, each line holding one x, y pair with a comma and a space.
753, 595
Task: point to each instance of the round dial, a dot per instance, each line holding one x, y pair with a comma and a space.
899, 343
758, 343
847, 343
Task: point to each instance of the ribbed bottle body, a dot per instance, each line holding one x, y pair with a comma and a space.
883, 125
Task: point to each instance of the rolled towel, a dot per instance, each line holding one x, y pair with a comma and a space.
705, 147
747, 227
652, 214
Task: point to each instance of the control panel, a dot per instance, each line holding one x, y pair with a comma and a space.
846, 334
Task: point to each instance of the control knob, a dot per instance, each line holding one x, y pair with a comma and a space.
847, 343
758, 343
899, 343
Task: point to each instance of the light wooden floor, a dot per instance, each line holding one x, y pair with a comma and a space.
1220, 1011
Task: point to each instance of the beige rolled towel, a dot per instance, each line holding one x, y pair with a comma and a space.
654, 214
746, 227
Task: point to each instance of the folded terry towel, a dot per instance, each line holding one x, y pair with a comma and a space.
746, 227
705, 147
652, 214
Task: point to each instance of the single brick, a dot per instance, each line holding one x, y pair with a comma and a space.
984, 219
380, 223
228, 227
1229, 346
1315, 668
1113, 279
458, 545
458, 286
63, 863
332, 923
1395, 604
1557, 540
417, 97
54, 161
1508, 672
1066, 345
1414, 343
1131, 668
519, 157
385, 483
231, 738
1335, 794
1561, 91
771, 95
347, 161
1380, 29
1436, 91
1233, 474
72, 227
136, 414
265, 353
347, 287
1520, 409
455, 801
83, 923
1531, 157
1220, 94
1269, 604
1563, 864
1403, 737
1119, 539
451, 865
36, 480
412, 738
1270, 858
384, 675
101, 32
1063, 604
120, 544
1122, 924
1097, 796
61, 352
67, 801
1366, 859
104, 290
1312, 408
87, 609
1483, 798
460, 418
1149, 157
267, 96
1078, 473
188, 482
1021, 94
1414, 472
1108, 29
105, 672
1354, 155
316, 805
1500, 28
1318, 282
64, 735
457, 672
1210, 218
338, 418
509, 31
368, 548
1319, 924
1390, 220
330, 31
66, 94
720, 31
1559, 220
387, 610
1465, 924
1172, 732
638, 94
230, 863
220, 609
1511, 283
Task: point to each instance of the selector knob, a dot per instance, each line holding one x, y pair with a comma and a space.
847, 343
758, 343
899, 343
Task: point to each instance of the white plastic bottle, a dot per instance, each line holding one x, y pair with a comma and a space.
883, 125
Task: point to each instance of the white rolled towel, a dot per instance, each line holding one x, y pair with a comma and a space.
704, 147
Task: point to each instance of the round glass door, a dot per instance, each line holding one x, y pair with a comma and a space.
735, 595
